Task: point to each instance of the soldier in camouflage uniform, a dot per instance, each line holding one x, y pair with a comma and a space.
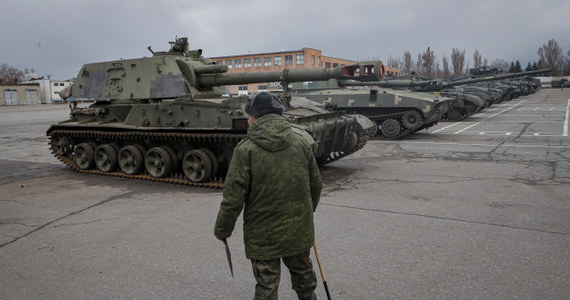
274, 178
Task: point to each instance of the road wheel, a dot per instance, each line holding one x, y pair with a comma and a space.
214, 159
197, 165
391, 128
131, 160
412, 120
106, 157
61, 145
84, 156
158, 162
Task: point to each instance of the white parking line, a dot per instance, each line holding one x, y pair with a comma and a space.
565, 130
488, 145
448, 126
503, 111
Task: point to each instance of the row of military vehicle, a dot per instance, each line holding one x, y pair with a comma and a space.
165, 118
400, 107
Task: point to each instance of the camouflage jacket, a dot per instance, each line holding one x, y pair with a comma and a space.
274, 178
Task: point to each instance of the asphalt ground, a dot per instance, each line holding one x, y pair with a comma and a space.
477, 209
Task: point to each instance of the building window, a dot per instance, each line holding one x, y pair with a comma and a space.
229, 63
327, 64
278, 61
267, 61
237, 63
242, 87
247, 62
262, 87
300, 59
313, 60
257, 62
288, 60
335, 65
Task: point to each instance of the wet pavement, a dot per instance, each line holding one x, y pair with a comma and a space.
476, 209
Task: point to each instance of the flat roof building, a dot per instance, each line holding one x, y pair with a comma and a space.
275, 61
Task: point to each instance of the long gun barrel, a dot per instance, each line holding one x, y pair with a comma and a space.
435, 85
360, 72
494, 77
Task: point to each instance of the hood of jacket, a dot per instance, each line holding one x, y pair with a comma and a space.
271, 132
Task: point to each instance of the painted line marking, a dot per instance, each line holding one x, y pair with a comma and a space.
566, 117
448, 126
542, 134
508, 133
503, 111
489, 145
460, 131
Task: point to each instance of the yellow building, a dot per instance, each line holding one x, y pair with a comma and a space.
276, 61
20, 94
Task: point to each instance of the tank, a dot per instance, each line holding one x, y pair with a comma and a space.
165, 118
396, 113
465, 103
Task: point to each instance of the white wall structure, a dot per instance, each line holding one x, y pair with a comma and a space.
57, 86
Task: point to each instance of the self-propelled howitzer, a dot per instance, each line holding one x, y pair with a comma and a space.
465, 103
165, 118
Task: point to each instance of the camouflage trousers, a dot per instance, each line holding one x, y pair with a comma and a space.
268, 273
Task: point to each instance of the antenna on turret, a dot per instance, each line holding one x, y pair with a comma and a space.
149, 49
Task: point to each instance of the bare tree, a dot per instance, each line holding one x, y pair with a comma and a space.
428, 63
551, 55
394, 62
500, 64
437, 72
408, 63
477, 59
485, 62
457, 61
419, 65
567, 65
10, 75
446, 72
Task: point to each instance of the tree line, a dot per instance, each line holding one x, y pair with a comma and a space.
427, 66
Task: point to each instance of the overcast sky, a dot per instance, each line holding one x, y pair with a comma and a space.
56, 37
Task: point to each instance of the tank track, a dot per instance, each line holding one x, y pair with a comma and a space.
362, 137
445, 119
463, 116
179, 177
176, 178
380, 118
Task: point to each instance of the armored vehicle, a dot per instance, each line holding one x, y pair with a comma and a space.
164, 118
559, 83
396, 113
465, 103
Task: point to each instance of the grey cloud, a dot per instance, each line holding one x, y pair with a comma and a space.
72, 33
